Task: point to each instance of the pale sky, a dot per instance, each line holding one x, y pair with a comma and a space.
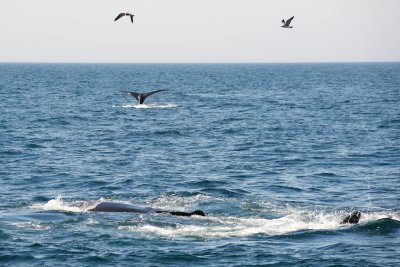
204, 31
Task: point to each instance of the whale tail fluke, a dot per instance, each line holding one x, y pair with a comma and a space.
140, 97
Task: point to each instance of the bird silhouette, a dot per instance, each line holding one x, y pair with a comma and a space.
124, 14
287, 23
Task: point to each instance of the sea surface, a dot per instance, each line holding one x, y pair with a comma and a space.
276, 155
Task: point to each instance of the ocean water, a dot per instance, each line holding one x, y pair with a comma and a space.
275, 154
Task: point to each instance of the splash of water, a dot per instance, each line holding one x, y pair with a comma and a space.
228, 226
148, 106
59, 205
221, 225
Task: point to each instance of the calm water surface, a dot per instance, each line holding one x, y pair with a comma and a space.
274, 154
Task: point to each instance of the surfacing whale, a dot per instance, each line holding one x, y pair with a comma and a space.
352, 218
121, 207
140, 97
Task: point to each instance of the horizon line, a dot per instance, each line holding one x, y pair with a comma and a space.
210, 63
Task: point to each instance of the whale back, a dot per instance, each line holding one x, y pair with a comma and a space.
118, 207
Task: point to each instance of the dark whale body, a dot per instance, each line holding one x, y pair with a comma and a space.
353, 218
121, 207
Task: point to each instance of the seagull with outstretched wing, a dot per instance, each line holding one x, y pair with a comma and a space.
286, 24
124, 14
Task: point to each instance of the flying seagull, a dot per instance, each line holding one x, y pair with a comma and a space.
124, 14
140, 97
287, 23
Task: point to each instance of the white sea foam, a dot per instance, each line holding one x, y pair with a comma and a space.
59, 204
166, 201
32, 225
148, 106
222, 226
226, 226
374, 216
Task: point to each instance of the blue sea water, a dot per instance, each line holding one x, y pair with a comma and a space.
275, 154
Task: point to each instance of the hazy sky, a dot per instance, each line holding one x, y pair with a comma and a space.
199, 31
